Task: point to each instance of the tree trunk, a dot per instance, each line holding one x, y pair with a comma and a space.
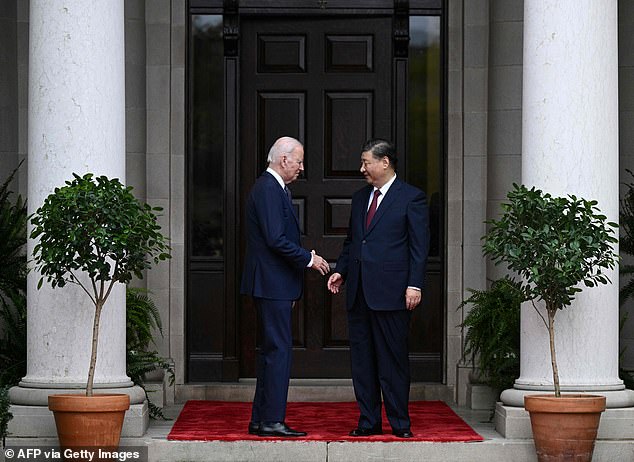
553, 355
93, 353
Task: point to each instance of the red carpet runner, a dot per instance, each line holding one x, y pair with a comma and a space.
228, 421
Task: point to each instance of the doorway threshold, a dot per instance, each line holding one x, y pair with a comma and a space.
302, 390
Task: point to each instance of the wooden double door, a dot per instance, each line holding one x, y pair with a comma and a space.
331, 83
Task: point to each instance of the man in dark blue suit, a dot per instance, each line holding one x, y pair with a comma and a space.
273, 275
383, 264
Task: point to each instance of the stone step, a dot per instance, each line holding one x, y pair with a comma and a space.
302, 390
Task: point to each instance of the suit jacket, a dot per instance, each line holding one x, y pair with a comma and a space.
274, 264
392, 253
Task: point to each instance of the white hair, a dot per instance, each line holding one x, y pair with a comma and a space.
283, 145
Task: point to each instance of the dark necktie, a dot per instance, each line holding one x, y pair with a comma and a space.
288, 194
372, 209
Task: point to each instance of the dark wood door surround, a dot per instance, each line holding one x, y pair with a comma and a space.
331, 81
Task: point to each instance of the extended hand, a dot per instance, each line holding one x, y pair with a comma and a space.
412, 298
319, 264
335, 282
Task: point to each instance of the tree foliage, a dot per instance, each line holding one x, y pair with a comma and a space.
98, 227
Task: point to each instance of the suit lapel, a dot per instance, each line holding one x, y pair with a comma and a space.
283, 193
364, 208
385, 204
292, 208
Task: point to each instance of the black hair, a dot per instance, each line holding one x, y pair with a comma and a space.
381, 148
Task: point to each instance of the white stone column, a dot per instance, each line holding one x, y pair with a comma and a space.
76, 121
570, 146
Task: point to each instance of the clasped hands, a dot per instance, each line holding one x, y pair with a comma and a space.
320, 264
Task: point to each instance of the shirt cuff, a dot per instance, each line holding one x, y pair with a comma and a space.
310, 263
415, 288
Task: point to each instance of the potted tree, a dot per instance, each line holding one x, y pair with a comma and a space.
94, 226
555, 244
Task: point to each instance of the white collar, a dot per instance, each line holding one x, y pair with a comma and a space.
277, 177
386, 186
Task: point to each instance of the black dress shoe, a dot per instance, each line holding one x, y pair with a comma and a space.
402, 433
254, 428
366, 431
278, 429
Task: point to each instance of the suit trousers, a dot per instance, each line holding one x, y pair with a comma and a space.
274, 360
379, 358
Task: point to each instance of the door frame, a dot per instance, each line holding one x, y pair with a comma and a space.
228, 363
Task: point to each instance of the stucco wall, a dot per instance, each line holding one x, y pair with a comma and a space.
504, 128
489, 124
165, 38
155, 146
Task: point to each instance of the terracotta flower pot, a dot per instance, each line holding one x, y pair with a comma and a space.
564, 429
89, 421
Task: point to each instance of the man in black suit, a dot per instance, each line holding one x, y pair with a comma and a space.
383, 264
273, 275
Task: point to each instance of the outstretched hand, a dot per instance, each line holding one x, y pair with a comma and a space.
335, 281
320, 264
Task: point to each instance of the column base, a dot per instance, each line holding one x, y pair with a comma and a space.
32, 418
514, 423
512, 420
622, 398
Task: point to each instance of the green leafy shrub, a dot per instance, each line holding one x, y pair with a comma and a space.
13, 217
13, 339
142, 320
5, 413
492, 337
626, 244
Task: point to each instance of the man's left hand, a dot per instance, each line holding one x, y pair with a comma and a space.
412, 298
